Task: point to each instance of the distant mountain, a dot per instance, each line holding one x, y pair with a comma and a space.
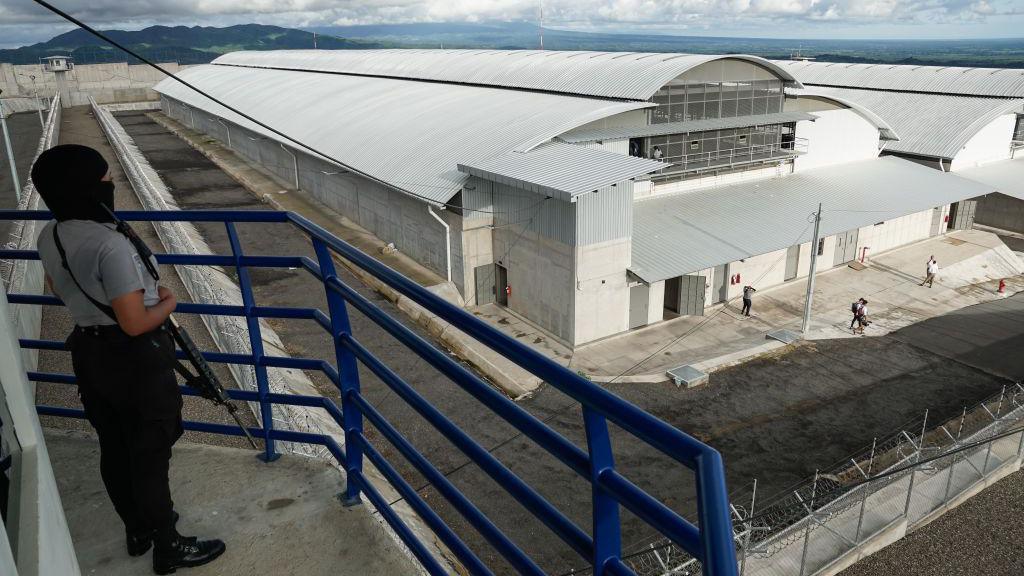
200, 44
1004, 53
183, 44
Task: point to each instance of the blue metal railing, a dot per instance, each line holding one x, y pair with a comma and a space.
711, 543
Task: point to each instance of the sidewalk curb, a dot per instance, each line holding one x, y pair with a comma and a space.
512, 380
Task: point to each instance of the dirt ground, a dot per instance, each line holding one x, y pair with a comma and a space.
776, 419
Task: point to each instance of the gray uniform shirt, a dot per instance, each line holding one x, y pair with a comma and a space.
104, 262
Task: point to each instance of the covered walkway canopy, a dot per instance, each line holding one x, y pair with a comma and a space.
562, 171
688, 232
1005, 176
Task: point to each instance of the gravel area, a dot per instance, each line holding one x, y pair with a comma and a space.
981, 536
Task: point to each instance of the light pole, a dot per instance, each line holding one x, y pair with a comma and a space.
810, 274
10, 152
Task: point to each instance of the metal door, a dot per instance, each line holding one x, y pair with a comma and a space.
692, 290
500, 284
673, 295
936, 222
961, 214
792, 262
485, 286
721, 293
639, 297
846, 247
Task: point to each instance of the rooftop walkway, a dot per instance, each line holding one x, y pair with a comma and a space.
281, 518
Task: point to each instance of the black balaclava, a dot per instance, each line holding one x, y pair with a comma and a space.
69, 179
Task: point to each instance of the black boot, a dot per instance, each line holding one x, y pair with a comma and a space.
138, 544
185, 552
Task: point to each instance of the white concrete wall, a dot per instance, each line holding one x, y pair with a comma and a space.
656, 303
616, 146
836, 137
107, 83
990, 143
602, 291
709, 180
893, 233
758, 271
622, 120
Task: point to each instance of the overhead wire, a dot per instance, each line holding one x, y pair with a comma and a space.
244, 115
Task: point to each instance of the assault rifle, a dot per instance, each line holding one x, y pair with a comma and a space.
205, 381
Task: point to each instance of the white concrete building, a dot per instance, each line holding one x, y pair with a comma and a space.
590, 193
964, 120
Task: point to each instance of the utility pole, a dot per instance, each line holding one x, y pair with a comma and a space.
541, 24
314, 40
810, 274
10, 152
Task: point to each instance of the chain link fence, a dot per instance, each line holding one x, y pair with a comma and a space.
897, 483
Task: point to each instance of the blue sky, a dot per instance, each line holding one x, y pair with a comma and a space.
22, 22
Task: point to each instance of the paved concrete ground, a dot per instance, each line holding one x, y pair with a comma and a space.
281, 519
777, 419
25, 133
972, 262
981, 536
79, 127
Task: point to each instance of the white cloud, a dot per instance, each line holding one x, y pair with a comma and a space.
772, 17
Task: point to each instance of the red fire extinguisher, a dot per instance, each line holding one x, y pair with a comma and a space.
508, 290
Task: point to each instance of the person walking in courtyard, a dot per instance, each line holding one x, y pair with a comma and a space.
856, 308
930, 272
748, 294
862, 317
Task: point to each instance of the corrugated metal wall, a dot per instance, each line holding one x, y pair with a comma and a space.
605, 215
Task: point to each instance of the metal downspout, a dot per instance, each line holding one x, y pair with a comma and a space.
226, 129
447, 240
295, 163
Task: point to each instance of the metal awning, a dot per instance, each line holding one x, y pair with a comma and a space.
593, 135
1006, 176
688, 232
561, 170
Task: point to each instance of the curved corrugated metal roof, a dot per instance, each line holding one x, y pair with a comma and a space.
623, 75
408, 135
997, 82
884, 129
683, 233
561, 170
928, 124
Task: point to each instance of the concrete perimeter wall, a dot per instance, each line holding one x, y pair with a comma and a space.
1000, 211
390, 215
106, 83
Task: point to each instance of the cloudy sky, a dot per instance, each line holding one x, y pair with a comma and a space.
22, 22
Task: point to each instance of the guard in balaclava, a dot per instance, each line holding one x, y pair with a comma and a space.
123, 356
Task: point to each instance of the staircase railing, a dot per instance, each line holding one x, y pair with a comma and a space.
710, 540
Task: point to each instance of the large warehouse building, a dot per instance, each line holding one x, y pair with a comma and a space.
964, 120
590, 193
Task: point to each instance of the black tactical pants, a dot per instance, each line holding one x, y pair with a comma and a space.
131, 398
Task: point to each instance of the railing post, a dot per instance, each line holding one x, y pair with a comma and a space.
348, 374
716, 535
256, 345
605, 509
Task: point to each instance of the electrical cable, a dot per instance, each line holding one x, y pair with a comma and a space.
707, 319
248, 117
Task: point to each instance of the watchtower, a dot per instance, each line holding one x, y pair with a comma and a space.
60, 66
